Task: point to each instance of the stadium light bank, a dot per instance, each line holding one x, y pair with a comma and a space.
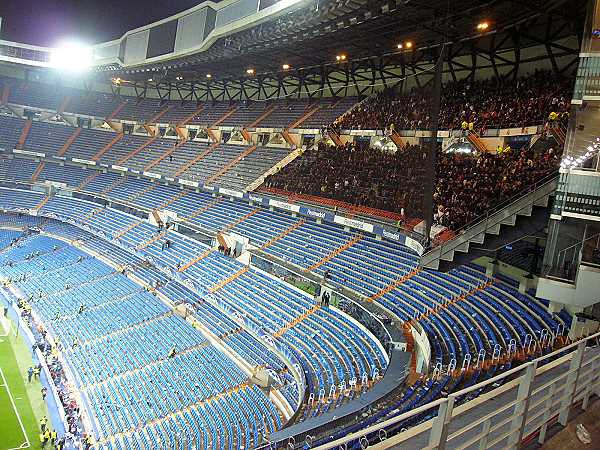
72, 57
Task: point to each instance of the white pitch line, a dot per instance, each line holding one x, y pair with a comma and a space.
5, 384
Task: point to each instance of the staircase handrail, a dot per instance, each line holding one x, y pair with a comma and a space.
550, 269
474, 228
581, 242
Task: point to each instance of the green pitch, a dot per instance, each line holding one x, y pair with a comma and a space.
21, 403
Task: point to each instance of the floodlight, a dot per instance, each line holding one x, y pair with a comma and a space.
483, 26
72, 57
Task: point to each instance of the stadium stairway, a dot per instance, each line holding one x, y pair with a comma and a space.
184, 168
285, 134
228, 280
189, 117
283, 234
203, 209
296, 321
519, 217
24, 134
119, 181
274, 169
199, 258
127, 229
247, 136
335, 138
336, 252
230, 164
173, 199
134, 152
476, 141
37, 172
390, 287
157, 237
304, 118
211, 134
262, 117
462, 297
107, 147
397, 139
141, 193
116, 111
157, 116
142, 368
69, 141
91, 214
41, 204
165, 155
63, 105
559, 134
240, 220
86, 181
221, 119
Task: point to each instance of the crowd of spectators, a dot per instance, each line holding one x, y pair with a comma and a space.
495, 103
469, 185
466, 186
358, 175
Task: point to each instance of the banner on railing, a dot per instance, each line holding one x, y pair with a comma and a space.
353, 223
83, 161
283, 205
231, 193
120, 168
257, 199
188, 183
26, 152
153, 175
317, 214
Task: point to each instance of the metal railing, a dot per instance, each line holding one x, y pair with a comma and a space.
494, 217
533, 396
565, 264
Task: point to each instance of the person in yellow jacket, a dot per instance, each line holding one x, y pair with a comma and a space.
499, 149
44, 438
464, 125
471, 126
552, 116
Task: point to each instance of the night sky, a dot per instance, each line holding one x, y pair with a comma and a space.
47, 22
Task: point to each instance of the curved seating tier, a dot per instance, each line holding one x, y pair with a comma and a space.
122, 363
341, 350
368, 267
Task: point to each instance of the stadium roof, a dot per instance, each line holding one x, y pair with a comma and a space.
267, 49
314, 35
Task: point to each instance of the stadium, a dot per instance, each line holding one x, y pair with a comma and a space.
294, 224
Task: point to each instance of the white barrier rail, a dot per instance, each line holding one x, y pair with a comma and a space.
531, 397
